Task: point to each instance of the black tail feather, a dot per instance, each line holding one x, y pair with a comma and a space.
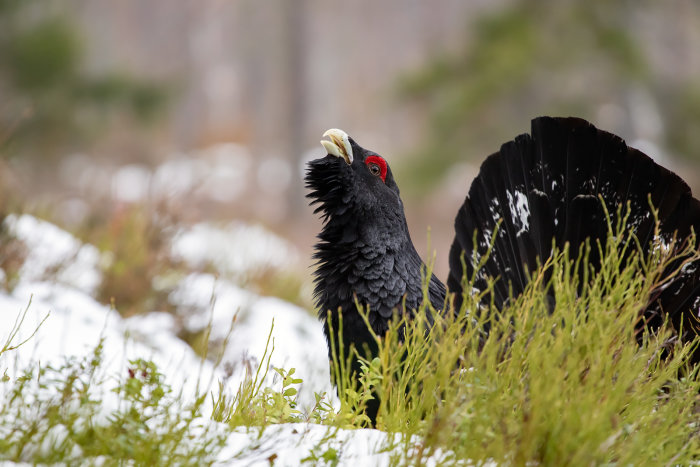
547, 187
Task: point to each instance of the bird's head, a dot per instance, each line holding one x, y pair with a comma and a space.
352, 184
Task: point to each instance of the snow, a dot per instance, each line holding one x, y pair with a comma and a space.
74, 325
297, 336
230, 164
235, 250
295, 444
63, 321
130, 183
219, 173
58, 278
55, 253
291, 444
177, 177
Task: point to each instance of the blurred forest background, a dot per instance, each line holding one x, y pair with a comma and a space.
121, 119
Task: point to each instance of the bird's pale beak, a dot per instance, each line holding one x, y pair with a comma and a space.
339, 144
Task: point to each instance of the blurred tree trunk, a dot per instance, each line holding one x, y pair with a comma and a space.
296, 117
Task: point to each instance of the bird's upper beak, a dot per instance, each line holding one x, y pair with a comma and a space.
339, 144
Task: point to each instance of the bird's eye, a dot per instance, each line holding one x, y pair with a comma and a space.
377, 166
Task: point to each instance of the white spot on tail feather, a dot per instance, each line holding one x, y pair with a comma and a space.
519, 210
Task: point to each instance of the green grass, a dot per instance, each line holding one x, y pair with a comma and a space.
571, 387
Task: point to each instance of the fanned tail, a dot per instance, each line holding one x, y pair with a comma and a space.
547, 187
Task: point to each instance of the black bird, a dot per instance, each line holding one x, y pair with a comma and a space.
542, 187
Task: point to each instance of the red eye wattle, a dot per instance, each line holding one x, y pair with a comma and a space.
377, 166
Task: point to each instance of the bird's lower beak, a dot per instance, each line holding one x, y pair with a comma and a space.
339, 144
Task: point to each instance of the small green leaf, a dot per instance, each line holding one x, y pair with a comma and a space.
330, 455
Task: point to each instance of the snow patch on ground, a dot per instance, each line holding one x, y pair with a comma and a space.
54, 253
236, 250
218, 173
297, 336
74, 325
293, 444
